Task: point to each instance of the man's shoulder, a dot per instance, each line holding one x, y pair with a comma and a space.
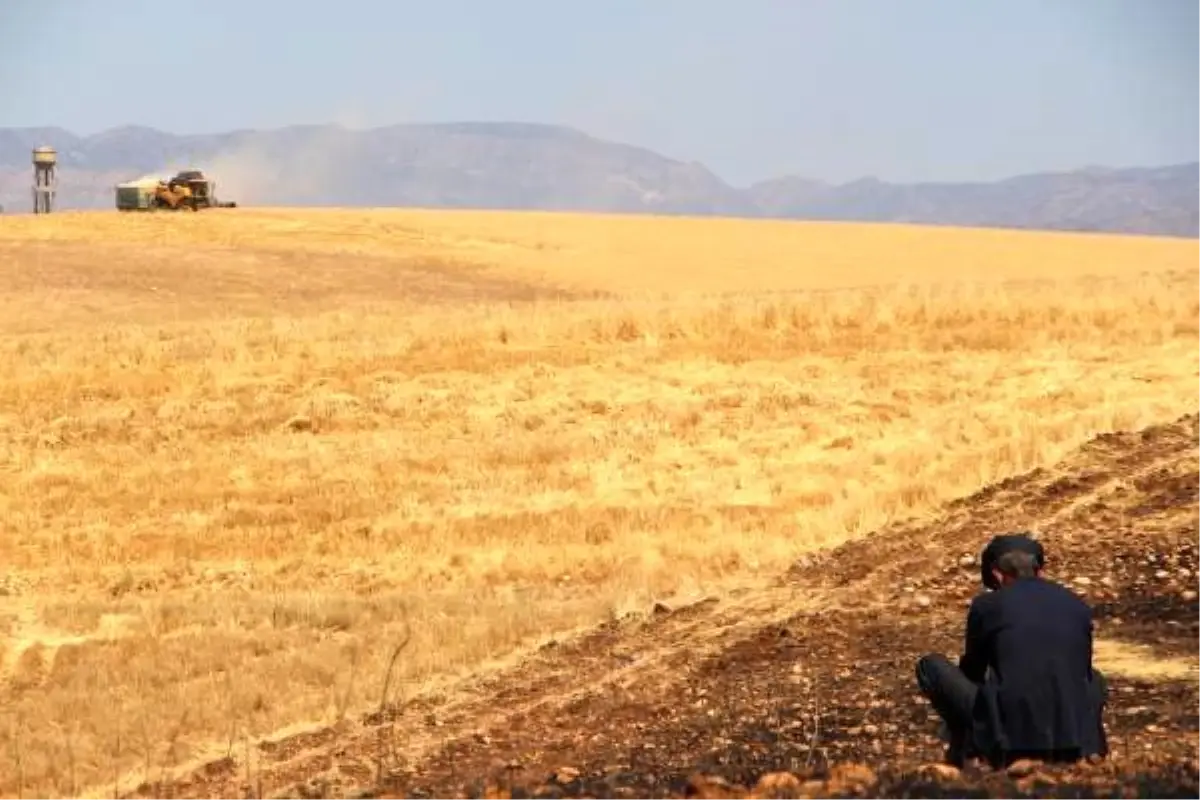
1068, 595
1055, 587
1042, 590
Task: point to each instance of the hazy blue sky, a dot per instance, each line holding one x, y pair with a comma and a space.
835, 89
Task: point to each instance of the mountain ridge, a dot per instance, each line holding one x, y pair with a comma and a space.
538, 166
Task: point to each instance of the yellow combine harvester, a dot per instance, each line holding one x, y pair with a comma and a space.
189, 190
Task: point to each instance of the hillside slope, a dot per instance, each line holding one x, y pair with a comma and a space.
1151, 200
812, 676
532, 166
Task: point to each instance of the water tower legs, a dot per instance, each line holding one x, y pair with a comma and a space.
45, 179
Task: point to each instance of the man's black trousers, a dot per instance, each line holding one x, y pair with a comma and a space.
952, 695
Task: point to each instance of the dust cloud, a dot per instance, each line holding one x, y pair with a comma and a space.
289, 167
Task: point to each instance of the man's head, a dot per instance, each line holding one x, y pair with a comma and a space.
1009, 558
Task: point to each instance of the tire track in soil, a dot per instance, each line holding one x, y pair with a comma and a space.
549, 679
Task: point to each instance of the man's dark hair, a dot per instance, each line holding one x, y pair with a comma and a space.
1010, 543
1017, 564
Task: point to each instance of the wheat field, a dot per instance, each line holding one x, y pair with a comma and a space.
245, 452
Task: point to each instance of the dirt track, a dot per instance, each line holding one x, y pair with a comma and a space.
813, 676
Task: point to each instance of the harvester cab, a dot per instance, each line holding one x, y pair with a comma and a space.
175, 195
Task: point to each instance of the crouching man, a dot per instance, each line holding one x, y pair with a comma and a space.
1024, 686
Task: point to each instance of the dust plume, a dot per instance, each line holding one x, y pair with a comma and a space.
291, 166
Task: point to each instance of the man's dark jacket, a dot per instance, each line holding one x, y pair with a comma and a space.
1029, 645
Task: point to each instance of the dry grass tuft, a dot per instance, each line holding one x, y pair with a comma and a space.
240, 449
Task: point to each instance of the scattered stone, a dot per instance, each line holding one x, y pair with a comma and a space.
812, 788
778, 784
851, 776
565, 775
1022, 768
705, 786
940, 772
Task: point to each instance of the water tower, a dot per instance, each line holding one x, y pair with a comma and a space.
45, 163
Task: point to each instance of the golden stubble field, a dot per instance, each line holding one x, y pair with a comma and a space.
244, 452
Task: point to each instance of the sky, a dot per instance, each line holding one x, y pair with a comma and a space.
902, 90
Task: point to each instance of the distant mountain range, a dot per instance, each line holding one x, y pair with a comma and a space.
532, 166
